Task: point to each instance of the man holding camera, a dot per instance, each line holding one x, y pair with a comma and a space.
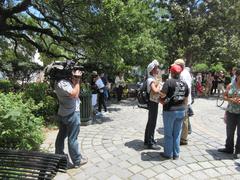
67, 91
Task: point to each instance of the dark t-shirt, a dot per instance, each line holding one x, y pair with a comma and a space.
176, 90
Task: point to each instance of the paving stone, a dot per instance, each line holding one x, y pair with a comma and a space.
184, 170
188, 177
138, 177
200, 158
217, 163
223, 170
199, 174
163, 176
145, 164
211, 173
114, 177
169, 165
124, 164
103, 164
174, 173
115, 147
195, 167
159, 169
148, 173
135, 169
206, 165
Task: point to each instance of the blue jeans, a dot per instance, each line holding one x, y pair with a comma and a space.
172, 121
69, 126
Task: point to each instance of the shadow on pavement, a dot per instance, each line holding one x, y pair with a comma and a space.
138, 145
111, 109
219, 155
101, 119
152, 156
135, 144
237, 163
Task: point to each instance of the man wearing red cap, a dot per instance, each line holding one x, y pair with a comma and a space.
175, 96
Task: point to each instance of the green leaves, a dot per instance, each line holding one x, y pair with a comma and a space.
19, 128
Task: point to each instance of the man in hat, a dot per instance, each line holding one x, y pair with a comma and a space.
186, 77
67, 91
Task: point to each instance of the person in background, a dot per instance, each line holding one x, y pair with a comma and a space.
105, 82
199, 85
175, 96
221, 81
233, 74
187, 78
101, 99
232, 115
67, 91
120, 84
209, 84
215, 83
153, 89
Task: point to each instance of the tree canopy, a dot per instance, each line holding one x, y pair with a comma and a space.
107, 32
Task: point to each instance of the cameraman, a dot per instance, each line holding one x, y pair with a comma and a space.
67, 91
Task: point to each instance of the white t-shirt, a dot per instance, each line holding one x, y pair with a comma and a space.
186, 77
100, 84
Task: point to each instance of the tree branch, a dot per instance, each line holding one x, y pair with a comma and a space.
16, 9
36, 45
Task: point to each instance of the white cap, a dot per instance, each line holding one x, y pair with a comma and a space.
77, 73
155, 62
180, 62
152, 65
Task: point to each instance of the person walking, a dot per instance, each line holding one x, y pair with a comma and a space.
187, 78
67, 91
175, 96
153, 89
232, 115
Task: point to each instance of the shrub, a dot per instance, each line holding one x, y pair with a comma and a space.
200, 68
47, 102
36, 91
19, 127
6, 86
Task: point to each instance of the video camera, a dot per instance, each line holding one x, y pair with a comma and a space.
61, 70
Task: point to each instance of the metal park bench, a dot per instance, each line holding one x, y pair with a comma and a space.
30, 165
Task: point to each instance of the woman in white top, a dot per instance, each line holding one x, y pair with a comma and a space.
153, 88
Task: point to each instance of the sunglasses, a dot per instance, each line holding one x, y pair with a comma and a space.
76, 76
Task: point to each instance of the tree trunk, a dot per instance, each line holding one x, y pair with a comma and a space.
188, 56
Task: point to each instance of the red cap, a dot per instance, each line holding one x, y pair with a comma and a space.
175, 68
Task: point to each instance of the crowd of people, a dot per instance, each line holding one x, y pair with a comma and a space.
173, 92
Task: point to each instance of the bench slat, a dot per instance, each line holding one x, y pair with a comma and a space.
30, 165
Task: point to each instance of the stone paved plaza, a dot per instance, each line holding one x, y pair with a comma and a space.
115, 147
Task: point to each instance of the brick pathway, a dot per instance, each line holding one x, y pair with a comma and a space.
115, 147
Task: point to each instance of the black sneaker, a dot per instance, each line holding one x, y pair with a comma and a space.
152, 146
164, 156
183, 143
236, 156
224, 150
175, 157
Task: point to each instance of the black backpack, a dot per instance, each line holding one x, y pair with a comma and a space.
143, 96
